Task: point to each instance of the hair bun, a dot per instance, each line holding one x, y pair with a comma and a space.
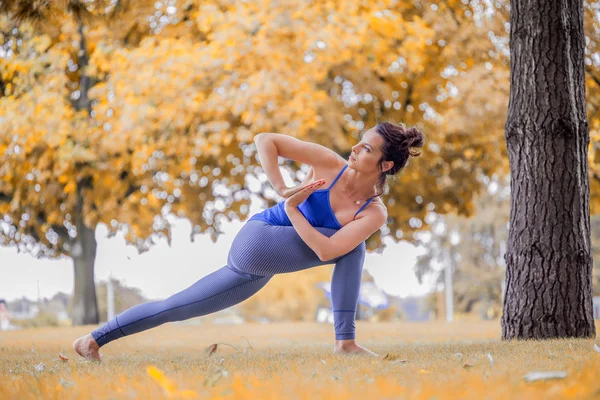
415, 139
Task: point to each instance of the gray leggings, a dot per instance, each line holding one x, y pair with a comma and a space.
258, 252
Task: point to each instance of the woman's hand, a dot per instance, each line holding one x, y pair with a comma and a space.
287, 192
290, 191
302, 192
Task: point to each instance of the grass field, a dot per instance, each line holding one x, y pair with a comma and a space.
295, 361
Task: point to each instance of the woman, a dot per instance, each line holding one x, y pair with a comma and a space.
317, 224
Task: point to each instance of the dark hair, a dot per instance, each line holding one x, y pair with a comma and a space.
399, 142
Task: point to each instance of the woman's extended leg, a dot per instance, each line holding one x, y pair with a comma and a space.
216, 291
258, 252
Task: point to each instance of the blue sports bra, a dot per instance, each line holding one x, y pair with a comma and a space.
316, 209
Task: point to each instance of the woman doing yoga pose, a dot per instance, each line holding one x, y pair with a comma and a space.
313, 226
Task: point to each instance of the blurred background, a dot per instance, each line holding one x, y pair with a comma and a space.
127, 162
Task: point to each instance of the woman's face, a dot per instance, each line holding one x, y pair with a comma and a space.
367, 153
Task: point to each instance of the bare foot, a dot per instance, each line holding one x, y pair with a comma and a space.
353, 348
87, 347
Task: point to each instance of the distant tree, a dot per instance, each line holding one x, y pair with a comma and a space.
478, 250
125, 297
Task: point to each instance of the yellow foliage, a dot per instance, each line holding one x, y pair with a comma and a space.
320, 71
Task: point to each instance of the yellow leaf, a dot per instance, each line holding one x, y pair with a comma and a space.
161, 379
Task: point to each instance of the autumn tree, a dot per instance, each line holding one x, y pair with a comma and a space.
61, 174
127, 120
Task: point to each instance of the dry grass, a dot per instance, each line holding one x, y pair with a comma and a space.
295, 360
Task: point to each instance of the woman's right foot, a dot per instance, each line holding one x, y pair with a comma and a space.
87, 348
353, 348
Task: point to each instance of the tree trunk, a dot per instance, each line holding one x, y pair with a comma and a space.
85, 306
548, 258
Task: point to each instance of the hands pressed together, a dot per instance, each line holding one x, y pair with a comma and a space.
297, 194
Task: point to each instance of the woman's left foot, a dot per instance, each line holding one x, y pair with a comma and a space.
353, 349
87, 347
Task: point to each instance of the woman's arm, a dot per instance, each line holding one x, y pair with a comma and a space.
267, 154
344, 240
270, 146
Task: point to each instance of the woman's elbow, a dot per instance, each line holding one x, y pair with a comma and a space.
261, 136
325, 256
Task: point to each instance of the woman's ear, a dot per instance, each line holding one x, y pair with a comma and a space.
387, 165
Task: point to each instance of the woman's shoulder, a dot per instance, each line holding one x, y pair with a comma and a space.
376, 210
379, 205
379, 208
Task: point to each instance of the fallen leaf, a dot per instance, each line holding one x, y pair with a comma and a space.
211, 349
168, 385
467, 366
64, 383
62, 357
161, 379
543, 376
323, 361
390, 357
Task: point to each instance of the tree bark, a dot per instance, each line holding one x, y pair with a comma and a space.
548, 258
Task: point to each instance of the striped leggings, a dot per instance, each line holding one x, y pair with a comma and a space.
258, 252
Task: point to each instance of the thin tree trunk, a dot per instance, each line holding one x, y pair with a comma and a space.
549, 260
85, 306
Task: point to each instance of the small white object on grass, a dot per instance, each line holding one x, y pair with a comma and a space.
597, 348
489, 356
543, 376
66, 383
